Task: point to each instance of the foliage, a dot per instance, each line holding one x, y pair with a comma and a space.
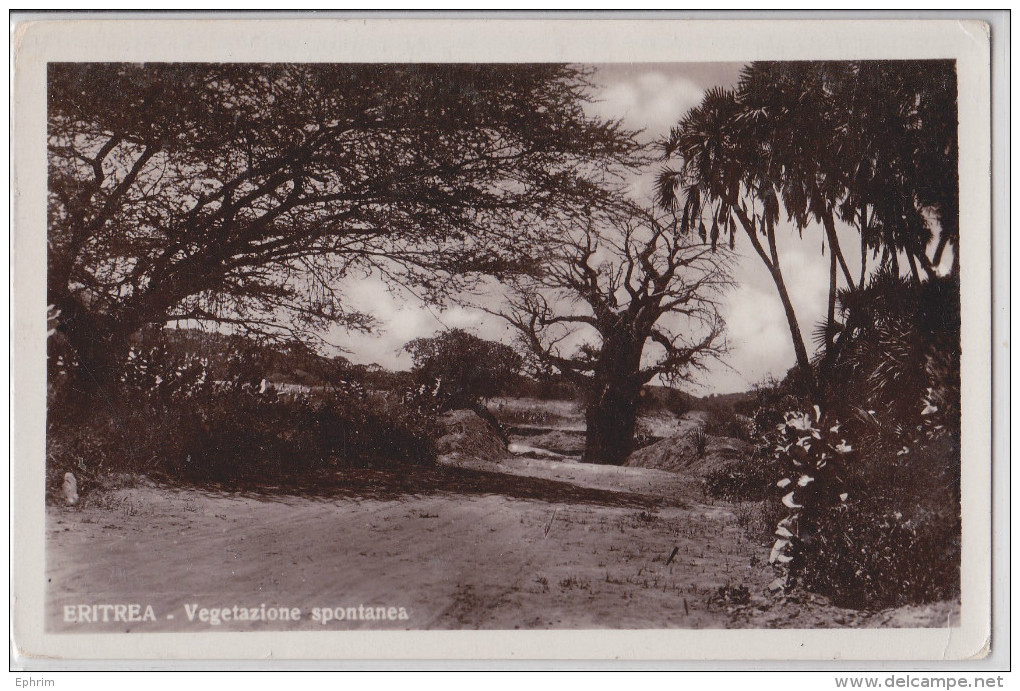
900, 345
898, 541
459, 368
242, 194
546, 387
870, 144
814, 455
722, 421
874, 529
169, 419
666, 398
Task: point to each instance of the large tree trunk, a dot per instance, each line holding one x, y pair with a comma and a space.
610, 417
100, 345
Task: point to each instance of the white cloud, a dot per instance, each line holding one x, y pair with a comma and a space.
757, 335
653, 101
652, 98
402, 318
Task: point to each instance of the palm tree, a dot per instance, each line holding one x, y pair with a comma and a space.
901, 346
870, 144
724, 178
801, 127
908, 166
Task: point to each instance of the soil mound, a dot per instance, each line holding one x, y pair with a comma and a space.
468, 434
560, 442
689, 453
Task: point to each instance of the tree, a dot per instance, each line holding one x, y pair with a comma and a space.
461, 369
839, 152
635, 299
870, 144
723, 177
241, 194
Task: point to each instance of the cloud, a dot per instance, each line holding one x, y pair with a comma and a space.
757, 334
650, 100
653, 98
401, 318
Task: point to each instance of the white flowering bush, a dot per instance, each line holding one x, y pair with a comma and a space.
869, 524
813, 454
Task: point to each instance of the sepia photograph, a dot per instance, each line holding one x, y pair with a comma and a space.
489, 345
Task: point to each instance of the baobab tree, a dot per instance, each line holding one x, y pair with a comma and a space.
615, 306
243, 194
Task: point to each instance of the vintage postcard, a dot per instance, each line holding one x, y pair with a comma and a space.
501, 339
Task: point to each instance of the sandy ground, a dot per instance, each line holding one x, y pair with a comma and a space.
523, 544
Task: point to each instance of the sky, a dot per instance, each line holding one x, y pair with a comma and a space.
651, 97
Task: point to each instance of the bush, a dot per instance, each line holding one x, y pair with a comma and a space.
663, 398
240, 437
869, 530
900, 342
171, 421
545, 387
726, 423
750, 479
873, 485
898, 542
700, 440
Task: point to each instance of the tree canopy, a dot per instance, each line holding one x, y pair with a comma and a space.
869, 144
459, 368
242, 193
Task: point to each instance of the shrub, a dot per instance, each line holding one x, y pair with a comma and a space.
870, 558
726, 423
874, 499
171, 421
872, 530
898, 540
665, 398
749, 479
752, 478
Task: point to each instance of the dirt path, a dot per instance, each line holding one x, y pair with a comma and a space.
525, 544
